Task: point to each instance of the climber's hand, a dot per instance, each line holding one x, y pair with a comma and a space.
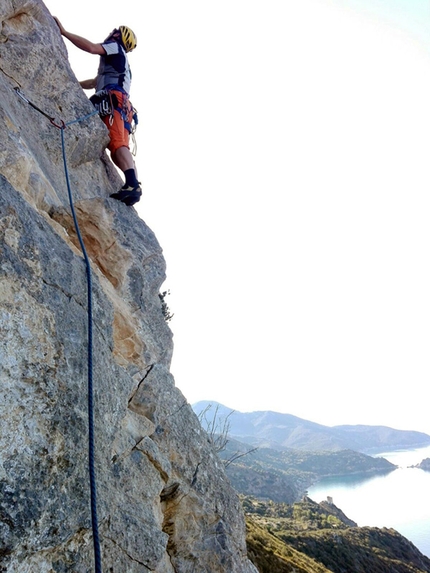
60, 26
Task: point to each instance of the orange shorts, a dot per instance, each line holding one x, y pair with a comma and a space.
118, 133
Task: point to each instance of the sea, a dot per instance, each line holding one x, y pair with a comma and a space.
399, 499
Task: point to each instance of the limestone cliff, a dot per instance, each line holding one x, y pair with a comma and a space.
164, 503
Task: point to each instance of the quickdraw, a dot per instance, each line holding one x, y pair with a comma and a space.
60, 125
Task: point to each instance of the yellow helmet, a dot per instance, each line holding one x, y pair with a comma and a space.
128, 38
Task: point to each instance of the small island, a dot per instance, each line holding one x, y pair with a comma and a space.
423, 465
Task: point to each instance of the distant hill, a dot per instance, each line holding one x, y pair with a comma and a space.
284, 475
279, 431
424, 465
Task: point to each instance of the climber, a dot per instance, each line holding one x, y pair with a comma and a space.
113, 83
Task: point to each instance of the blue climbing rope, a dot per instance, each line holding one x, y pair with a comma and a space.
93, 487
91, 466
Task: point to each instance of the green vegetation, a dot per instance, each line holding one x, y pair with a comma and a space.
164, 306
271, 555
308, 537
319, 463
301, 516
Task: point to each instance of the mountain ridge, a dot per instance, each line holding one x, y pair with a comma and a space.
276, 430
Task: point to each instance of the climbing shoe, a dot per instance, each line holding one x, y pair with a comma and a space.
128, 195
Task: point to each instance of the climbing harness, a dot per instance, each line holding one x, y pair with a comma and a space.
106, 103
93, 490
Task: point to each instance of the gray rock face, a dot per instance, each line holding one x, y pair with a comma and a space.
164, 502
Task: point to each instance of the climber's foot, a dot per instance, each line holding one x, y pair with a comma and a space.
128, 195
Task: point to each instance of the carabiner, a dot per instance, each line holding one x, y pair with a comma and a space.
61, 125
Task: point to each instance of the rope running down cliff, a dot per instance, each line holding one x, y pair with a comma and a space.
96, 540
93, 488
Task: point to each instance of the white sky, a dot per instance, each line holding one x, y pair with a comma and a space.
283, 148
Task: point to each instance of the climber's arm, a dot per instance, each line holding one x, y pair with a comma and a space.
88, 84
80, 42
